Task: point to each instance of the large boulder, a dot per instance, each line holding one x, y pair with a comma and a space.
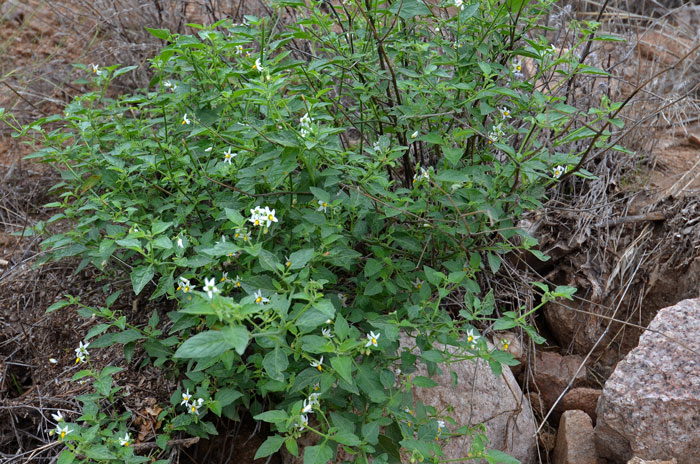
650, 406
575, 444
481, 397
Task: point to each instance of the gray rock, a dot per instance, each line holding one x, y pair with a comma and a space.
650, 406
481, 397
575, 444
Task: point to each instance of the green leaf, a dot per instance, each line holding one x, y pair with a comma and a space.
407, 9
275, 363
273, 416
57, 305
204, 345
66, 457
343, 366
432, 356
433, 276
269, 446
227, 395
300, 258
237, 337
347, 438
494, 262
425, 382
269, 261
319, 454
497, 456
99, 452
370, 432
162, 34
140, 277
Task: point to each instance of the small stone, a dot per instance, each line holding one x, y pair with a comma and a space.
575, 443
552, 373
582, 398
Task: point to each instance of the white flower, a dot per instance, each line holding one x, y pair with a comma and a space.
418, 283
58, 417
505, 113
81, 352
185, 120
472, 336
414, 135
179, 242
258, 65
185, 285
304, 421
259, 299
328, 321
372, 339
62, 431
210, 288
313, 400
209, 149
308, 407
496, 132
228, 156
186, 397
327, 332
459, 4
322, 206
305, 125
424, 174
318, 364
224, 277
53, 360
193, 408
317, 386
255, 216
558, 171
170, 85
441, 425
517, 68
95, 68
343, 298
505, 344
287, 261
269, 216
237, 281
239, 49
124, 441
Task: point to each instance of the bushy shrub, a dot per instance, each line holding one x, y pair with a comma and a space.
308, 192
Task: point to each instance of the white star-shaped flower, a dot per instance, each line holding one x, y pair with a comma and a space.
372, 339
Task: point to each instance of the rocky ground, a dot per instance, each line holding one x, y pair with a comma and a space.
619, 376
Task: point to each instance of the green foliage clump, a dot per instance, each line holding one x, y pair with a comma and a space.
306, 194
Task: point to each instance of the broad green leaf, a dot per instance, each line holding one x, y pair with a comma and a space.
162, 34
275, 363
227, 395
407, 9
204, 345
273, 416
319, 454
140, 276
236, 337
300, 258
269, 446
343, 366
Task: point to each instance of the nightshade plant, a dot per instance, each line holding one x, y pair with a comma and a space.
309, 186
